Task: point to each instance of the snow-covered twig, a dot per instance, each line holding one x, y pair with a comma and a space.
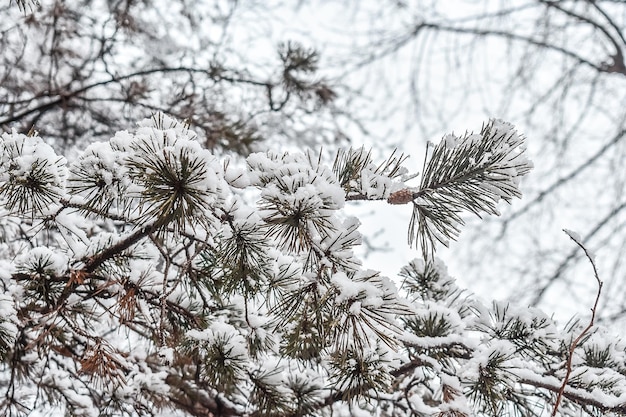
574, 236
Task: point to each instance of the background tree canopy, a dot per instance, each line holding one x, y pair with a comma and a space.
201, 263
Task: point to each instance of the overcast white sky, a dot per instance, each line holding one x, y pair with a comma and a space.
397, 114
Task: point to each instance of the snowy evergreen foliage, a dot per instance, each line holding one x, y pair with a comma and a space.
148, 277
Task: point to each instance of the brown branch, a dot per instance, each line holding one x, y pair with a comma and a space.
95, 261
576, 397
65, 203
514, 37
585, 330
65, 97
197, 401
618, 57
608, 18
359, 197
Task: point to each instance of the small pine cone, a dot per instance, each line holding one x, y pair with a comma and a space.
401, 197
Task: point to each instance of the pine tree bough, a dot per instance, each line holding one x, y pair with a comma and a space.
149, 277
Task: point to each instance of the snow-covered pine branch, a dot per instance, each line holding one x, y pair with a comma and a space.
148, 277
471, 173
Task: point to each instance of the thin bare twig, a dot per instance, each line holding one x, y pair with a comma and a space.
576, 341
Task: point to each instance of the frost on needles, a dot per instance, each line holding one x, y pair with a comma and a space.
150, 277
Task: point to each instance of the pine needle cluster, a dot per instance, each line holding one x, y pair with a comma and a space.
471, 173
